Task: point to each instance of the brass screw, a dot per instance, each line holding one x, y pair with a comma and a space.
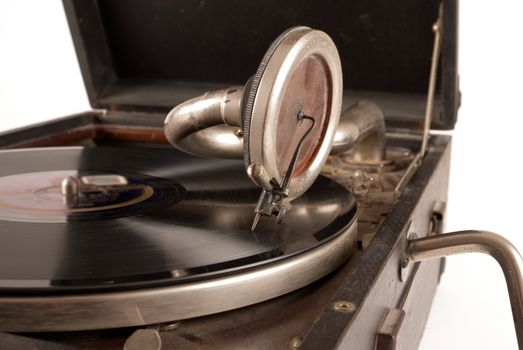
344, 306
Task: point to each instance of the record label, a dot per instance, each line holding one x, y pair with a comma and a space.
38, 197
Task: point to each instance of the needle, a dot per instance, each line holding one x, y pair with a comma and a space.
255, 222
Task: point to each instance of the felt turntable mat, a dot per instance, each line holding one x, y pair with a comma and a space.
178, 218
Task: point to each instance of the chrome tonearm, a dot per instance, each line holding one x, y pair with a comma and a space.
210, 126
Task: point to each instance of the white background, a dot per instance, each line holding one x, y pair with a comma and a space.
40, 80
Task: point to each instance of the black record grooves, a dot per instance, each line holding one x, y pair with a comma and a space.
182, 218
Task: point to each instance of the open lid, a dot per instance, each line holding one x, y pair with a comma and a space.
152, 55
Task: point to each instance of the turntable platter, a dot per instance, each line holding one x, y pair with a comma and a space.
166, 222
190, 218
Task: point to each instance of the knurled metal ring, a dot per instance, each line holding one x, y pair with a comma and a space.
264, 96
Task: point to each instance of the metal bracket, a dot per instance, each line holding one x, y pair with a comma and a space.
404, 266
436, 218
389, 333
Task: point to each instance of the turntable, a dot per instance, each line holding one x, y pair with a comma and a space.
247, 183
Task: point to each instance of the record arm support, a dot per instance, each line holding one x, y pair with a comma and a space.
472, 241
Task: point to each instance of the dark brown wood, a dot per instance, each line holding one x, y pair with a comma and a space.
76, 136
130, 133
91, 133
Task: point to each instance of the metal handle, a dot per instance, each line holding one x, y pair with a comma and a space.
472, 241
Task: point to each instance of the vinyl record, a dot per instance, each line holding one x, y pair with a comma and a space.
147, 217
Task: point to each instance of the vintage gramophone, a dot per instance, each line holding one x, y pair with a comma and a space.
128, 242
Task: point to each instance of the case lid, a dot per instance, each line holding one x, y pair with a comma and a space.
152, 55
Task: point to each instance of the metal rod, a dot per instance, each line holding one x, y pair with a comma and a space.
294, 159
432, 81
472, 241
407, 175
437, 28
